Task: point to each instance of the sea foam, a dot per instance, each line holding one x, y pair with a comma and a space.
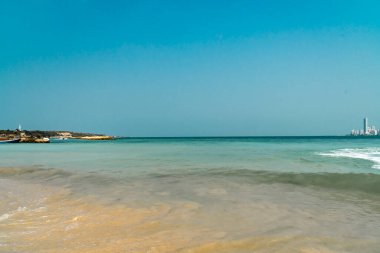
4, 217
369, 154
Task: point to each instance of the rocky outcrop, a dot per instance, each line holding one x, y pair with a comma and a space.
34, 140
38, 136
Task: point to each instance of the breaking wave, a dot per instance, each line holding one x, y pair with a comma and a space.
369, 154
354, 182
357, 182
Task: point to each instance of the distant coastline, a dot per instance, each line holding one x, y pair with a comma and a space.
43, 136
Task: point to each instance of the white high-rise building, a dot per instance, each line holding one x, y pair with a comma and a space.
365, 125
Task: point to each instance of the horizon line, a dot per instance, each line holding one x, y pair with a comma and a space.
247, 136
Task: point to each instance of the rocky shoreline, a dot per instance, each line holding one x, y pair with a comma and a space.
38, 136
34, 140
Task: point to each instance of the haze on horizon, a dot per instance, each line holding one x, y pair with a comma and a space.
190, 68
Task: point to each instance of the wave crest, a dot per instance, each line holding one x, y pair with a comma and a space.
368, 154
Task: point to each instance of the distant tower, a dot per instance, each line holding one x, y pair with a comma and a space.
19, 127
365, 125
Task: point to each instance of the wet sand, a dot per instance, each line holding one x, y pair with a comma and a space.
43, 217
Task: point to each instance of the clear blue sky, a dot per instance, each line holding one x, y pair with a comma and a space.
190, 68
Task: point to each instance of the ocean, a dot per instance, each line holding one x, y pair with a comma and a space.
227, 194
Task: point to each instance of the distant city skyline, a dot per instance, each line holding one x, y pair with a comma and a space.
367, 129
190, 68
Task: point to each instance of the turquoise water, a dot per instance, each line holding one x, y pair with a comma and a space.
242, 188
144, 155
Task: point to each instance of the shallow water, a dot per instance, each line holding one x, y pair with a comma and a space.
191, 195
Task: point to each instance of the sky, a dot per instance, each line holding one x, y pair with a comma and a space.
190, 68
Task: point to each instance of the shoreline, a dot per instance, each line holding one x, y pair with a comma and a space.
40, 136
40, 214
